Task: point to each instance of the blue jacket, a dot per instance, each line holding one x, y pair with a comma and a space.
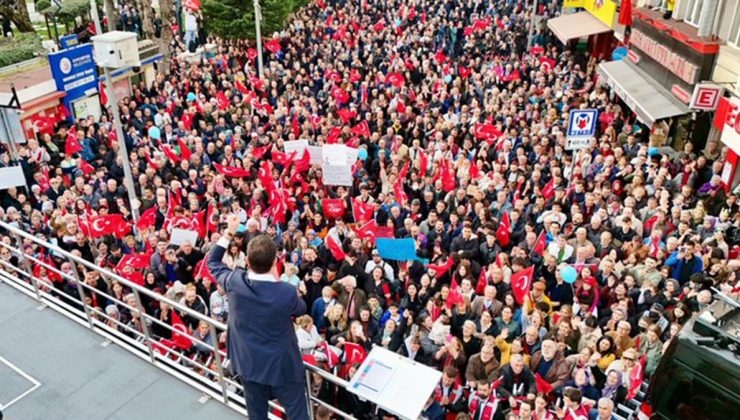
676, 265
262, 344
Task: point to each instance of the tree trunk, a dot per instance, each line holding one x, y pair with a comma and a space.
17, 12
111, 12
165, 9
147, 18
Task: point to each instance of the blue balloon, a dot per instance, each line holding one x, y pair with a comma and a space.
448, 78
569, 274
241, 229
154, 133
191, 97
362, 154
619, 53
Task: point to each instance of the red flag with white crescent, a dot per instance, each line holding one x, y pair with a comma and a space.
521, 282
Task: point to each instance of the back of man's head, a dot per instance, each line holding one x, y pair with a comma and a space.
261, 253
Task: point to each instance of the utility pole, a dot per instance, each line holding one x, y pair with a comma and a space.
258, 23
531, 25
128, 178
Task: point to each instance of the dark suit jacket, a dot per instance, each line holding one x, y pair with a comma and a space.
262, 344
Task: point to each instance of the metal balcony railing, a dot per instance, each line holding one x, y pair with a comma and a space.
71, 290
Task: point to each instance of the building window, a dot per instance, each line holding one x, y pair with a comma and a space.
734, 38
693, 12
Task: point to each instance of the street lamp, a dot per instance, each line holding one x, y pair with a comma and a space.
117, 49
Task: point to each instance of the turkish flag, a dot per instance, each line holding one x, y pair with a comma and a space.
453, 298
232, 172
395, 79
258, 152
548, 190
282, 159
239, 85
441, 269
251, 54
148, 218
304, 163
362, 212
547, 63
467, 31
103, 94
423, 163
72, 145
440, 57
273, 46
184, 150
400, 107
521, 282
333, 136
223, 101
202, 271
295, 126
260, 106
625, 13
339, 95
171, 155
464, 72
537, 50
179, 329
354, 76
211, 225
354, 353
85, 167
361, 129
487, 132
399, 192
136, 261
448, 177
540, 245
480, 288
636, 377
331, 358
481, 24
346, 114
111, 224
542, 385
378, 27
336, 249
333, 208
503, 233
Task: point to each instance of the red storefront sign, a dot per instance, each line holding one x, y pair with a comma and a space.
727, 119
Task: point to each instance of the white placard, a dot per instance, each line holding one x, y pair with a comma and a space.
295, 146
394, 382
10, 122
316, 156
180, 236
11, 176
337, 174
351, 155
334, 154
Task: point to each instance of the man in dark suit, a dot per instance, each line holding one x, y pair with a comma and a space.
262, 344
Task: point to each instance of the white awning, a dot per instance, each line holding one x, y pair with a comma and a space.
576, 25
650, 101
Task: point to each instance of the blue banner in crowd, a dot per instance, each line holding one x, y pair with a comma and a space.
396, 249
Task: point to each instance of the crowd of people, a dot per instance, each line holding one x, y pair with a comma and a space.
460, 131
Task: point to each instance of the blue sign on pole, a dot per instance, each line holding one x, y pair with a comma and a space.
74, 72
69, 41
581, 128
